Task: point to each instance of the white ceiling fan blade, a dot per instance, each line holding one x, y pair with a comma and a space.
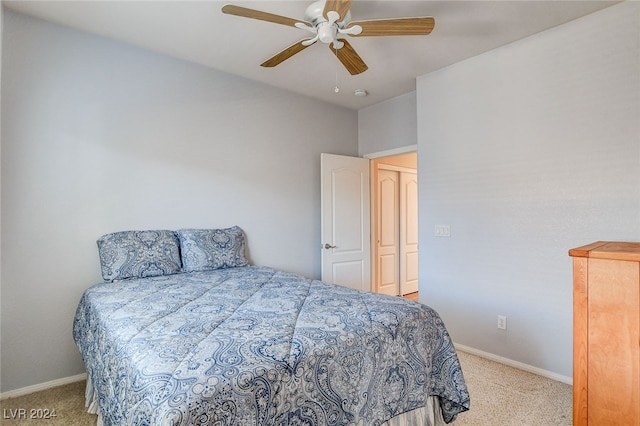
353, 31
310, 41
304, 26
333, 16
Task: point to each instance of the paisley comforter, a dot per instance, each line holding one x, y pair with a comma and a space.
256, 346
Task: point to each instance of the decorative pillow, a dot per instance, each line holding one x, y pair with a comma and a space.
138, 254
205, 249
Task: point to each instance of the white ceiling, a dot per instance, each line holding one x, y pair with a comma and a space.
199, 32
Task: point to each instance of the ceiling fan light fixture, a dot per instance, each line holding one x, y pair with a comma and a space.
327, 33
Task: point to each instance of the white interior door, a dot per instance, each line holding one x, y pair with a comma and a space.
345, 221
408, 232
388, 250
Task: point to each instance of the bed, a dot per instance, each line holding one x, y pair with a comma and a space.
185, 332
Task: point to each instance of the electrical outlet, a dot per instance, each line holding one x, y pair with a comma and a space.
502, 322
442, 231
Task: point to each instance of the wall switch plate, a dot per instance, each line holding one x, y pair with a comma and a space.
442, 231
502, 322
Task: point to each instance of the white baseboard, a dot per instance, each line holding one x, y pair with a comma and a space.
42, 386
516, 364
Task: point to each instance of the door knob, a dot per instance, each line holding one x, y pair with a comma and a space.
328, 246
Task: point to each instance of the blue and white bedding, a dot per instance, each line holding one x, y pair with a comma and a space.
255, 346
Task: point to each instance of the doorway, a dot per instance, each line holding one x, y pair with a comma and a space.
359, 196
394, 222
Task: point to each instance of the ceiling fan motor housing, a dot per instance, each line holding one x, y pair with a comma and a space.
313, 14
326, 29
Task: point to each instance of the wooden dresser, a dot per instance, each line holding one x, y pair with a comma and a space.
606, 334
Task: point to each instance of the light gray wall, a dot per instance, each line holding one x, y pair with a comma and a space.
388, 125
99, 136
527, 151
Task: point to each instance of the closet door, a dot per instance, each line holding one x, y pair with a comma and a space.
408, 232
387, 263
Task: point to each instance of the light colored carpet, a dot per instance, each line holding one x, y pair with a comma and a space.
500, 396
67, 401
506, 396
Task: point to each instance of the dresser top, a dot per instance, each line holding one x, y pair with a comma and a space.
615, 250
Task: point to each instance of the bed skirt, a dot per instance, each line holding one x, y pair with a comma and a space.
429, 415
91, 401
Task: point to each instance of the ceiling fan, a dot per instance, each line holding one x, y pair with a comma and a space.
329, 22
